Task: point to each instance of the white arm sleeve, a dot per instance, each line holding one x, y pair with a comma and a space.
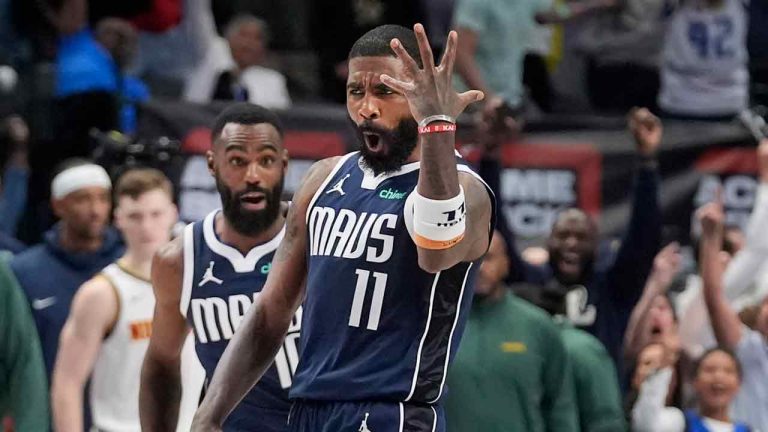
740, 275
649, 413
199, 27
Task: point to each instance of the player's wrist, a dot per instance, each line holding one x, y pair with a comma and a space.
437, 118
439, 123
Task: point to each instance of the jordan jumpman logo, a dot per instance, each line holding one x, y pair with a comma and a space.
338, 185
209, 277
364, 425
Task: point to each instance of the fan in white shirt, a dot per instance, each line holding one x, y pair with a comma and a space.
749, 344
237, 62
717, 380
704, 64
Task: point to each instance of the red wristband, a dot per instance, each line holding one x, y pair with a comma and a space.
437, 128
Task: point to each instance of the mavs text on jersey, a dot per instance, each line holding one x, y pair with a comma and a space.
378, 331
219, 285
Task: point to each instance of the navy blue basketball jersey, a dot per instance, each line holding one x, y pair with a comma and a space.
376, 326
219, 285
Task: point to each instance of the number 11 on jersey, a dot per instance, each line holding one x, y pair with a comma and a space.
380, 285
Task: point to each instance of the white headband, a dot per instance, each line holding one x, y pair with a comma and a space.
79, 177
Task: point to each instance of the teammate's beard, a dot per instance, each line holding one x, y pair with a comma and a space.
400, 143
246, 222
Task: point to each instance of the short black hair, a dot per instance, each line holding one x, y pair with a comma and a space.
375, 43
245, 113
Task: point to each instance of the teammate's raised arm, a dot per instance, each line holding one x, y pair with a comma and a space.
160, 394
93, 314
263, 329
451, 216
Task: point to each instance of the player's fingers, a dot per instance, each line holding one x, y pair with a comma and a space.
470, 97
424, 48
410, 64
399, 86
449, 56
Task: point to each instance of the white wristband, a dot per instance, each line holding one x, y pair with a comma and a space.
440, 117
436, 224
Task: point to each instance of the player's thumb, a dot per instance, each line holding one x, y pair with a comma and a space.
471, 96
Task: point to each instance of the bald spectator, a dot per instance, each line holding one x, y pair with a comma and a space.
234, 68
598, 296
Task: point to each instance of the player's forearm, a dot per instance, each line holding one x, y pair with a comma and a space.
67, 405
438, 177
725, 322
438, 180
160, 395
247, 357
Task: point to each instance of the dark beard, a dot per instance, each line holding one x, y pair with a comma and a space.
249, 223
400, 143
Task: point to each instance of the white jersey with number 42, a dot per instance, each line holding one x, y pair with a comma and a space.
704, 67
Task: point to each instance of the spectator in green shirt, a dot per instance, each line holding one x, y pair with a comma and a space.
595, 386
594, 381
23, 388
511, 372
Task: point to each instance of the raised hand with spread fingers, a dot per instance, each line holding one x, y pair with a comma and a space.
429, 88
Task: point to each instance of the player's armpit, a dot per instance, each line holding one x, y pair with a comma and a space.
93, 314
476, 238
160, 391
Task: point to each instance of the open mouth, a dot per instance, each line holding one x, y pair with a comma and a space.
570, 262
253, 200
373, 141
655, 331
718, 390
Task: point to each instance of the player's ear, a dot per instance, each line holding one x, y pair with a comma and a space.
209, 160
285, 161
58, 206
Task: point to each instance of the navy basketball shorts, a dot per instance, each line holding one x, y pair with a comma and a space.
256, 419
321, 416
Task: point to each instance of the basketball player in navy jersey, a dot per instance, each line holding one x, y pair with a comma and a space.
382, 246
207, 279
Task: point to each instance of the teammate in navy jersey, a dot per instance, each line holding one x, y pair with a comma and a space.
382, 246
208, 278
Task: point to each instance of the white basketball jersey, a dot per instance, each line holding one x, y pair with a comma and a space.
117, 373
704, 70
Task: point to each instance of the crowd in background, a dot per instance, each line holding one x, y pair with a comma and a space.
582, 333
